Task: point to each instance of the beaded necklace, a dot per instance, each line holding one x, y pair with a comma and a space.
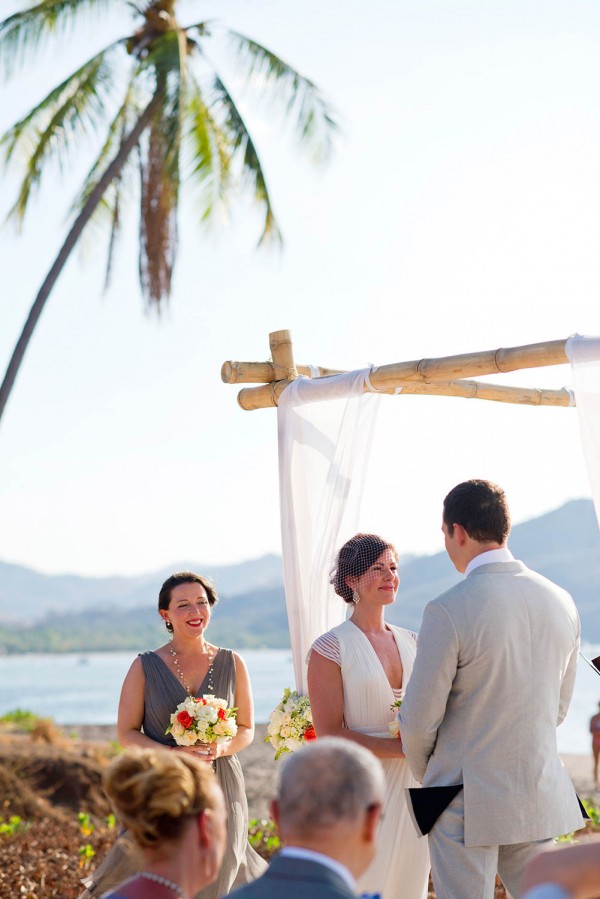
175, 888
210, 673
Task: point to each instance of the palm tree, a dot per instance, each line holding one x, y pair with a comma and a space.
174, 120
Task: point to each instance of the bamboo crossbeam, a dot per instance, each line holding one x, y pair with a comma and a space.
267, 395
443, 376
489, 362
264, 372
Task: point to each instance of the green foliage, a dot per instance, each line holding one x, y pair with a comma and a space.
234, 624
195, 129
593, 811
592, 825
23, 719
12, 826
263, 837
565, 838
110, 821
86, 825
86, 854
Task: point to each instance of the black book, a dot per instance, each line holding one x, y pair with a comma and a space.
426, 804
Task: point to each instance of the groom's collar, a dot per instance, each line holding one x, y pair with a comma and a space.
492, 555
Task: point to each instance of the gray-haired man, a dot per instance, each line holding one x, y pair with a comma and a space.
327, 808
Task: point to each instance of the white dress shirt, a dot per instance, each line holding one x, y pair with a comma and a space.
492, 555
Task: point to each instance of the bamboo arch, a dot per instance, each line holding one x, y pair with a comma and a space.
444, 376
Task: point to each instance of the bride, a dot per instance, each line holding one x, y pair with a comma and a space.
355, 674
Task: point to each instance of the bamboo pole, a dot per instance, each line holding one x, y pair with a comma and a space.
264, 372
489, 362
282, 355
267, 395
442, 376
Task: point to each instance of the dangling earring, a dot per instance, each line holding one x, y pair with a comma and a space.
355, 597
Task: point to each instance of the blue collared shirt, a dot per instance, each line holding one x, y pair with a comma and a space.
309, 855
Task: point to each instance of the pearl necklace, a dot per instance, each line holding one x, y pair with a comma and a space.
175, 888
211, 656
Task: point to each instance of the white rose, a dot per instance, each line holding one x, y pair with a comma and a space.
276, 718
177, 729
220, 728
187, 738
206, 713
218, 703
292, 745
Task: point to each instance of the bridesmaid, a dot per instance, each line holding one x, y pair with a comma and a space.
356, 672
188, 664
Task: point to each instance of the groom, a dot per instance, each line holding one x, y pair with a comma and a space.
493, 677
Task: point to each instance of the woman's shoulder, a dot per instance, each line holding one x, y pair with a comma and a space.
328, 646
403, 632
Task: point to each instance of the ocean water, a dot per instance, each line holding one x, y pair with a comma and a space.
83, 688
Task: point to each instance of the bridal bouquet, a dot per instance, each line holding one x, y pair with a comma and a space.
393, 725
290, 723
205, 719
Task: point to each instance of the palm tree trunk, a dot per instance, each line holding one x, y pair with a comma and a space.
65, 251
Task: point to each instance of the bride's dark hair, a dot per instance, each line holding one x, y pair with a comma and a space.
354, 558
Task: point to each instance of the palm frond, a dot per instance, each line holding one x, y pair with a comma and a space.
115, 230
54, 126
243, 146
124, 118
312, 116
109, 208
211, 154
24, 31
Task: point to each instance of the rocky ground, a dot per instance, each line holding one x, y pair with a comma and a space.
51, 780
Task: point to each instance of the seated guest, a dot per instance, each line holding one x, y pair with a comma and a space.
173, 809
327, 809
572, 872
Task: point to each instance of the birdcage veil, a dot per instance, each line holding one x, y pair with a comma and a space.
353, 559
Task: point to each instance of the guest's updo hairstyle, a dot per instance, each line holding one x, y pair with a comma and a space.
354, 558
184, 577
155, 793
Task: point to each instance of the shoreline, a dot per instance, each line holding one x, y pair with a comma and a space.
260, 768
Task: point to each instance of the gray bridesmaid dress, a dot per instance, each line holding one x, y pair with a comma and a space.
163, 693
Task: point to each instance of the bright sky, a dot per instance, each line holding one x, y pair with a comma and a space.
461, 212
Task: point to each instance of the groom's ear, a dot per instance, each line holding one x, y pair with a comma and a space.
460, 535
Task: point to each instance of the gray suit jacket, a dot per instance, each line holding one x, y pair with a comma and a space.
295, 878
493, 678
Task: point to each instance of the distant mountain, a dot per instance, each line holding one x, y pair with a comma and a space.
29, 596
563, 545
67, 612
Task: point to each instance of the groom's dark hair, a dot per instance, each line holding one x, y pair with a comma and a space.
479, 507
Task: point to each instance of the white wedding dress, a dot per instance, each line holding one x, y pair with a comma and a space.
401, 866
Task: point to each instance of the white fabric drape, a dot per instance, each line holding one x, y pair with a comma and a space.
325, 428
584, 356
